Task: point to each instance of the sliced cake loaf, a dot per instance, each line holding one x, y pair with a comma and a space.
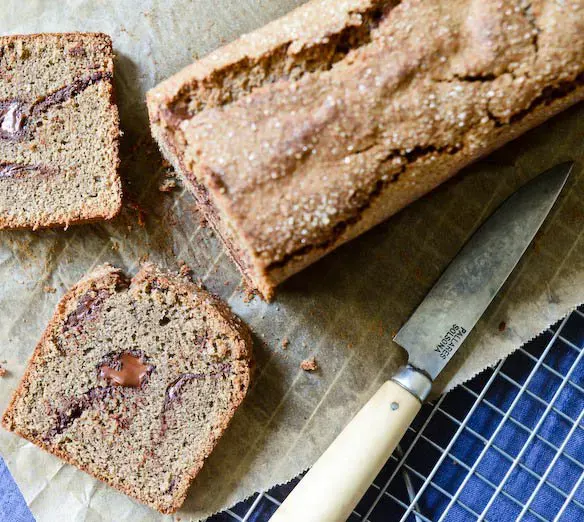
309, 131
59, 130
135, 381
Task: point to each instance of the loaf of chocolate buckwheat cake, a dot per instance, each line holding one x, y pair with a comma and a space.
59, 130
309, 131
134, 381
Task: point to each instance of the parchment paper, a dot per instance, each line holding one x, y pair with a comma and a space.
343, 310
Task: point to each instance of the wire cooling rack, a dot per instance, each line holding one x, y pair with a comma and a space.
507, 446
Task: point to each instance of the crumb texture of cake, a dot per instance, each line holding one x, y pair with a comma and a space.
134, 381
59, 130
305, 133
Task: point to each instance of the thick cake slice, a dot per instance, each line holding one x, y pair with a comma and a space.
311, 130
135, 381
59, 130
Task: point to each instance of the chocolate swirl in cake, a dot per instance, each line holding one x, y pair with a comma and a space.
17, 115
18, 170
87, 308
12, 119
174, 389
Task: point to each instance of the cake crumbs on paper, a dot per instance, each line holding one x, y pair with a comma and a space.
249, 293
184, 270
285, 343
140, 211
3, 371
49, 289
309, 365
167, 185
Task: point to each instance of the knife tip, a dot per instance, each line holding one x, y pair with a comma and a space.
557, 176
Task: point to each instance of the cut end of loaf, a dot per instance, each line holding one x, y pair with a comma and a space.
59, 130
134, 381
255, 275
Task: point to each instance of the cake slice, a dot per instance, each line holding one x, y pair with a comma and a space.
59, 130
135, 381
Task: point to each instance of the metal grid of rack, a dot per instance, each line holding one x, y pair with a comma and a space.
507, 446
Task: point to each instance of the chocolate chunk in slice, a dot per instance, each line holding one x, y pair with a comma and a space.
59, 130
135, 381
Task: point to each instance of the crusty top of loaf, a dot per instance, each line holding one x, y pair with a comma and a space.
299, 156
300, 28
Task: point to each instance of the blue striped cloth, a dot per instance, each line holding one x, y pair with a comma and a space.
12, 505
556, 428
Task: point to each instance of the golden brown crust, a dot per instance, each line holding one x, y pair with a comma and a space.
385, 203
304, 136
105, 38
107, 276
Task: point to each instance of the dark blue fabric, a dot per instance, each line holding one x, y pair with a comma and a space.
483, 423
509, 440
12, 505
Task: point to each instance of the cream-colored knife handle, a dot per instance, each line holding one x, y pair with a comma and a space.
331, 489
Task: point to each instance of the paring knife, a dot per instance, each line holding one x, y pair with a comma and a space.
333, 486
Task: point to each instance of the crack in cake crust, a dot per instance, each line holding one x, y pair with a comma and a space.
404, 160
284, 62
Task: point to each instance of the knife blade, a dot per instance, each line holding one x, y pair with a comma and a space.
333, 486
463, 292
